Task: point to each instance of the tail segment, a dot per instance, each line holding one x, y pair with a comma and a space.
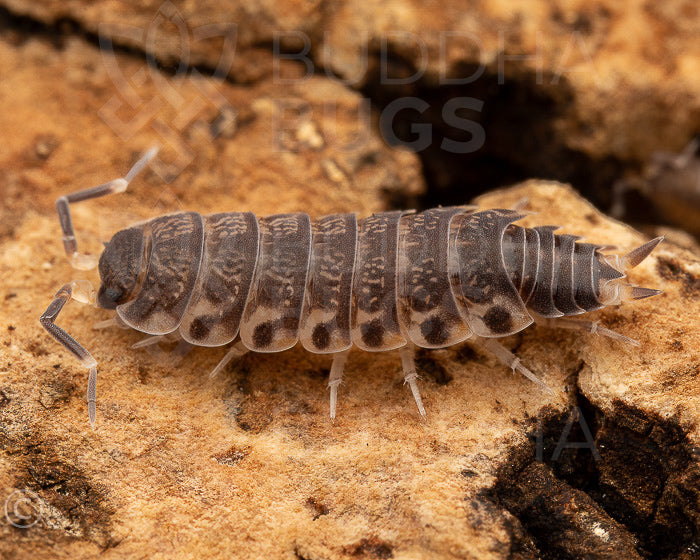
635, 256
626, 292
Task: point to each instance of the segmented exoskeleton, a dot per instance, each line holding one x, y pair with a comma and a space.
391, 280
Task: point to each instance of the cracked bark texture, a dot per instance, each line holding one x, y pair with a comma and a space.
581, 92
249, 464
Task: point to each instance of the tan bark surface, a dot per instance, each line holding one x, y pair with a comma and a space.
248, 464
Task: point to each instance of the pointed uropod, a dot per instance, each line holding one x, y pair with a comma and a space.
636, 256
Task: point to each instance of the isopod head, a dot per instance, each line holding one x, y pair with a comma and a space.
119, 267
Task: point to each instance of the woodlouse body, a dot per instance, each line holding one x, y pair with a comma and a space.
432, 278
391, 280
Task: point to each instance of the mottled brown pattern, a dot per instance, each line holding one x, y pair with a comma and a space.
375, 324
272, 313
484, 282
214, 315
427, 308
173, 266
120, 264
325, 319
433, 278
514, 248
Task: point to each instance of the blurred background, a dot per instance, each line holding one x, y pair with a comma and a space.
597, 94
328, 106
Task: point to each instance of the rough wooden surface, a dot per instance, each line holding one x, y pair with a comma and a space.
249, 464
576, 90
592, 46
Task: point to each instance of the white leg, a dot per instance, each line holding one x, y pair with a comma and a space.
507, 358
107, 323
174, 356
180, 351
114, 321
149, 341
409, 374
336, 377
588, 326
236, 351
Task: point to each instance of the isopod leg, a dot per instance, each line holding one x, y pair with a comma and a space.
180, 351
336, 377
111, 322
84, 261
48, 321
588, 326
507, 358
149, 341
410, 376
236, 351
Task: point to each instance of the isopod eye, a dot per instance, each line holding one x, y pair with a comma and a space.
113, 294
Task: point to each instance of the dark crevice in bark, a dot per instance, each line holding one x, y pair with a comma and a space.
517, 119
638, 498
512, 137
17, 29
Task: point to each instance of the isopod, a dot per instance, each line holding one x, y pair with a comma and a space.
393, 280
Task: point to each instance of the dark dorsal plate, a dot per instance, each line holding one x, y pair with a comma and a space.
214, 314
542, 299
271, 316
585, 265
564, 297
486, 295
531, 264
375, 323
176, 242
427, 308
325, 319
514, 249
